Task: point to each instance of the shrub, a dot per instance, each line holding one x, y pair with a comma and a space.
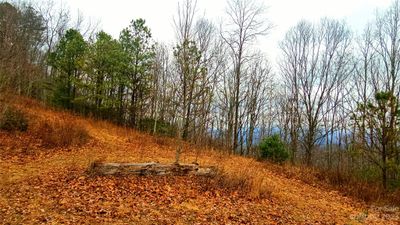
12, 119
248, 181
61, 133
274, 149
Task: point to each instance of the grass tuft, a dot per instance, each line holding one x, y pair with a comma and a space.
243, 176
60, 132
12, 119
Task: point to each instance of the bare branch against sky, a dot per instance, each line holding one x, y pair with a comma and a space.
283, 14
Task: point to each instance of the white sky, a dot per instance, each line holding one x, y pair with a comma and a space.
116, 14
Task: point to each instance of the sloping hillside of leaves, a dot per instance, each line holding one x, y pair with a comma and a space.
49, 184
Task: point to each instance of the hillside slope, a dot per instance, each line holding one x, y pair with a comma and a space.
49, 185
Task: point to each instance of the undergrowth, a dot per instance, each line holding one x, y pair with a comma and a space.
62, 132
243, 176
12, 119
365, 190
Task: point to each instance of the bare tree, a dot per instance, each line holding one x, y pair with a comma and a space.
259, 87
377, 91
316, 62
387, 35
289, 118
245, 24
21, 40
56, 19
160, 101
187, 57
196, 56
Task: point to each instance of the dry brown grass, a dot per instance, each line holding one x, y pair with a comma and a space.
60, 132
240, 175
55, 128
347, 184
245, 178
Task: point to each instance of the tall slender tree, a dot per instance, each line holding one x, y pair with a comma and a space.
139, 47
68, 60
316, 62
245, 24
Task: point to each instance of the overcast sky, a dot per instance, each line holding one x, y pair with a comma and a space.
116, 14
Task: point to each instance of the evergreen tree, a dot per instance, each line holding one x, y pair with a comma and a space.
105, 60
380, 122
139, 48
68, 60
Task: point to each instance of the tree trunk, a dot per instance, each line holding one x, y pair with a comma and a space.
152, 168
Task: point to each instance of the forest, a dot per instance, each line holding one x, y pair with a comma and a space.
330, 102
